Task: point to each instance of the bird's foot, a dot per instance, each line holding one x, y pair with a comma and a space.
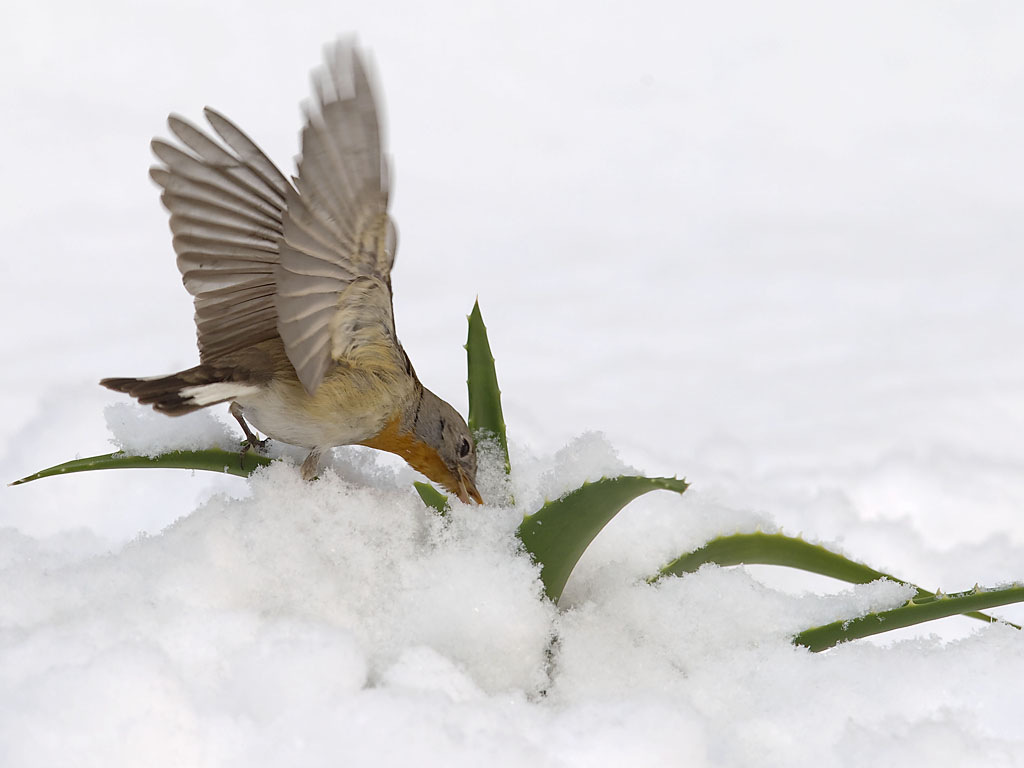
311, 466
254, 445
250, 443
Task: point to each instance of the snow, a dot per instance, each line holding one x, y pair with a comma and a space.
143, 431
774, 249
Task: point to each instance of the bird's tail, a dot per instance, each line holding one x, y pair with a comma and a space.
185, 391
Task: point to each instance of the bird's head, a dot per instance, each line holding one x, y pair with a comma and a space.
438, 443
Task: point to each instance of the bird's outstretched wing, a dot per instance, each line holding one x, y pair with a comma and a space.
333, 278
311, 262
227, 208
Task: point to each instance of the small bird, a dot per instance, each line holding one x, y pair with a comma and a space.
292, 288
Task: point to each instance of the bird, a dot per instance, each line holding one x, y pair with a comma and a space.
291, 282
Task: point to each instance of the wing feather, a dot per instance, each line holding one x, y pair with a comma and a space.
219, 196
337, 233
221, 212
227, 208
248, 152
189, 168
309, 261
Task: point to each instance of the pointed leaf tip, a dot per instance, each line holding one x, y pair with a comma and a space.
913, 612
760, 548
212, 460
485, 415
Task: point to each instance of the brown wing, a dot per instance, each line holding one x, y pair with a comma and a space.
264, 258
336, 228
227, 206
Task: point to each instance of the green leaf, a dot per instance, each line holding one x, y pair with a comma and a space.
484, 396
779, 549
914, 612
433, 497
212, 460
559, 532
772, 549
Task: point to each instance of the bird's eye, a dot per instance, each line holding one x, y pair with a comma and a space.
464, 448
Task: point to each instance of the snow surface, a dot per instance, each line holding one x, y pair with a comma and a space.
774, 248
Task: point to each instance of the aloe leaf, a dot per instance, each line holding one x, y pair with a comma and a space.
433, 498
212, 460
914, 612
560, 531
484, 395
772, 549
779, 549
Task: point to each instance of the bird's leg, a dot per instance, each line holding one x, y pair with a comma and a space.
251, 443
311, 465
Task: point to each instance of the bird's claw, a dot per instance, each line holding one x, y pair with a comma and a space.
259, 447
256, 446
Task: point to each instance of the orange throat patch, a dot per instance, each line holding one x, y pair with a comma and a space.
421, 457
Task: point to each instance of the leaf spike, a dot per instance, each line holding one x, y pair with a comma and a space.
485, 413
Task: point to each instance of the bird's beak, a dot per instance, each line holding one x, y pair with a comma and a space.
467, 489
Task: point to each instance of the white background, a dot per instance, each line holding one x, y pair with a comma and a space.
774, 248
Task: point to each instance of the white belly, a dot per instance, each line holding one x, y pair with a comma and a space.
304, 422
